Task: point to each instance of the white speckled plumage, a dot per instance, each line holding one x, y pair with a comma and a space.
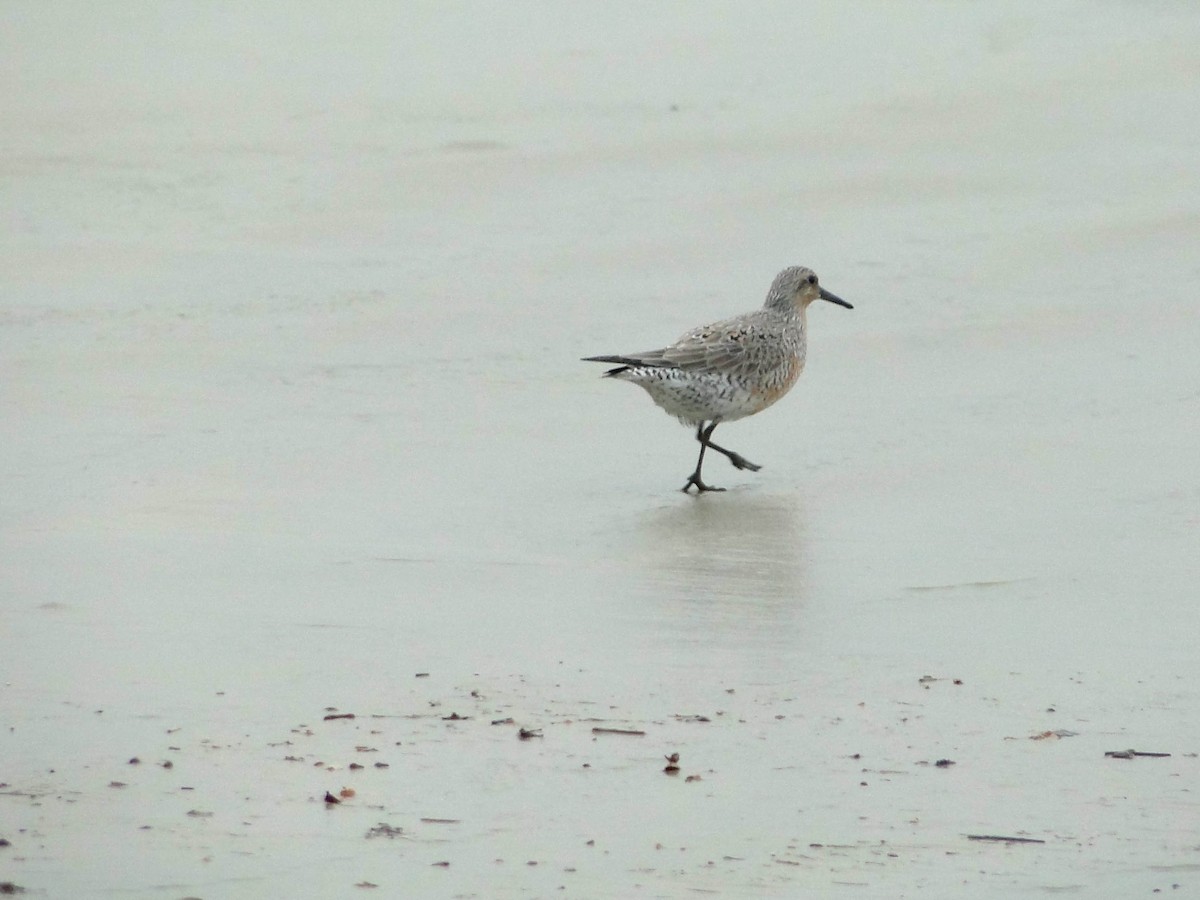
730, 369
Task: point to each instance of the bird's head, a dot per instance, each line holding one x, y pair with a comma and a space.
796, 287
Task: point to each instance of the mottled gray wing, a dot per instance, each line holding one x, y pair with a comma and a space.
719, 347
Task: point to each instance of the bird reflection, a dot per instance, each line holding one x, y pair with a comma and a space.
726, 569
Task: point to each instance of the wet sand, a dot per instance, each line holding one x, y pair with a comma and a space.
296, 428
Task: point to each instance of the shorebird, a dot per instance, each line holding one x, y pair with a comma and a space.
730, 369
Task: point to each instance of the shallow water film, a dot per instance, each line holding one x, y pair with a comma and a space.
328, 569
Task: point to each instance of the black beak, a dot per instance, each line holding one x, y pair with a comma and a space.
834, 298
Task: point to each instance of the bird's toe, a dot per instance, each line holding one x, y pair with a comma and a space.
740, 462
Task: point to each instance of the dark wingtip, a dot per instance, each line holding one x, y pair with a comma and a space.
625, 363
623, 360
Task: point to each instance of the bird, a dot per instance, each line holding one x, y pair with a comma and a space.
730, 369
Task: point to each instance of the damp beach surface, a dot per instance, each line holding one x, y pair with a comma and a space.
329, 570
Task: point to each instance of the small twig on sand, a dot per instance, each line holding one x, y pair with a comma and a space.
617, 731
1004, 839
1130, 754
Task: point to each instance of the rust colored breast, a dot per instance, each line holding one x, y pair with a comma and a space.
780, 382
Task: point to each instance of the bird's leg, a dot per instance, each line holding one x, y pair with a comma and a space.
739, 461
702, 434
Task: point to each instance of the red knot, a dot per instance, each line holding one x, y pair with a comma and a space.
730, 369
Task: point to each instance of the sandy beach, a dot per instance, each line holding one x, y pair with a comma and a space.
328, 569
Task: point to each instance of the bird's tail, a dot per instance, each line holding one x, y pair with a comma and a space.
623, 360
625, 363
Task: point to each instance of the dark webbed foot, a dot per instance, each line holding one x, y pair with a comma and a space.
740, 462
701, 487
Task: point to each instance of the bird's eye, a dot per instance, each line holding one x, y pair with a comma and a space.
812, 279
